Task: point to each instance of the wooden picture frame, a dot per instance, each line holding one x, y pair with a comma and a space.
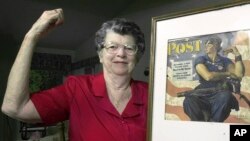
177, 39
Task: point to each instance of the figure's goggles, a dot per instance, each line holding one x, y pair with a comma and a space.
113, 48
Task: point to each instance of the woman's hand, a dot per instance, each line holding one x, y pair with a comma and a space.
47, 21
235, 50
17, 103
232, 50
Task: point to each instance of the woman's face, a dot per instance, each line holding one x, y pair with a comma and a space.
210, 48
118, 62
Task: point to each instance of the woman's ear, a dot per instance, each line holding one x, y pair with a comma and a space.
100, 55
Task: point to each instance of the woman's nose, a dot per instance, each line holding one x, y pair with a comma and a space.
121, 51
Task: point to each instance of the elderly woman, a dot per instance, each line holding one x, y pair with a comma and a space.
213, 69
109, 106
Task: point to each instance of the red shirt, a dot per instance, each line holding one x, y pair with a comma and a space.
83, 100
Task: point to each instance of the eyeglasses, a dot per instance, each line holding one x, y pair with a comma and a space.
113, 48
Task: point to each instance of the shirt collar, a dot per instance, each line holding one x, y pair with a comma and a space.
132, 108
101, 90
217, 59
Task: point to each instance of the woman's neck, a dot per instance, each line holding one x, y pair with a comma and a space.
117, 82
212, 57
118, 89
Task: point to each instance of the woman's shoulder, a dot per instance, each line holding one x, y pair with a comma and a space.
203, 57
141, 84
80, 77
200, 59
222, 57
83, 78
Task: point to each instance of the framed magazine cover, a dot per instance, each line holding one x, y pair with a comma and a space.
177, 41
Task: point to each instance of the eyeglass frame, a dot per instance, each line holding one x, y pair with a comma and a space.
118, 46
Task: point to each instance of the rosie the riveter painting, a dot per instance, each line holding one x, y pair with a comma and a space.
208, 78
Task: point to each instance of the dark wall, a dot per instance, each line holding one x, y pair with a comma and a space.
9, 48
8, 51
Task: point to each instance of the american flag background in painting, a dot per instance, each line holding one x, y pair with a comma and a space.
181, 75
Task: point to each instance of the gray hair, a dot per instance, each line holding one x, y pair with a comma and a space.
123, 27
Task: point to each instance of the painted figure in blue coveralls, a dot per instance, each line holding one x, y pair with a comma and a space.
213, 69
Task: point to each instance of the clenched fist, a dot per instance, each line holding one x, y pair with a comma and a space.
47, 21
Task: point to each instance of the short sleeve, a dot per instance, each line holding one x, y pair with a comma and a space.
53, 105
199, 60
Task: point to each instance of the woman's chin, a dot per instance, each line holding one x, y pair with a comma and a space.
121, 72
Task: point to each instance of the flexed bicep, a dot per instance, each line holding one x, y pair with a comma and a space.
16, 102
202, 70
207, 75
